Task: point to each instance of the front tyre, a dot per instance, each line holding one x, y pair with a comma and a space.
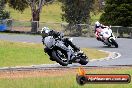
114, 43
60, 57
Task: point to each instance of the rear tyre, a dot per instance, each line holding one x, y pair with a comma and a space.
83, 60
61, 59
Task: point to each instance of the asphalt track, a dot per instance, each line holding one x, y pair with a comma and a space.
122, 56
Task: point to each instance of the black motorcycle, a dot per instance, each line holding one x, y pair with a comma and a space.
59, 54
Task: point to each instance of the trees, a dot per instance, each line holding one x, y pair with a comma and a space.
76, 11
117, 12
36, 7
3, 14
98, 6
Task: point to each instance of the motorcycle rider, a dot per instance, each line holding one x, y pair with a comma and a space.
49, 32
98, 29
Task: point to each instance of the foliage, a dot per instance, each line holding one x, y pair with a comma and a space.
21, 5
76, 11
97, 6
36, 8
117, 12
3, 14
18, 4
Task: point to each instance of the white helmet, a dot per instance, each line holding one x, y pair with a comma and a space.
45, 31
97, 23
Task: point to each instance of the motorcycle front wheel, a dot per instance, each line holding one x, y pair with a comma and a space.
60, 57
114, 43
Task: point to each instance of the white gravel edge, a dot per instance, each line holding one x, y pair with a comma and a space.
112, 55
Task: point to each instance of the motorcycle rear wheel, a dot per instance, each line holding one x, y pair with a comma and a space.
83, 60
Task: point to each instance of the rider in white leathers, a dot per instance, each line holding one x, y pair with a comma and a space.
99, 30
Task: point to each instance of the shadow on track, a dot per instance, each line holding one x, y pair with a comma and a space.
103, 46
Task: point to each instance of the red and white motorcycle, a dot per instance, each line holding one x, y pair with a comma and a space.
106, 36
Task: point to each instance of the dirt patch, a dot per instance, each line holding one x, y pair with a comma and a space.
36, 73
60, 72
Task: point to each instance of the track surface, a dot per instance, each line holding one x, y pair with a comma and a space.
125, 49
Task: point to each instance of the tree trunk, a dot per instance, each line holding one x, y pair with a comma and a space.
35, 21
79, 29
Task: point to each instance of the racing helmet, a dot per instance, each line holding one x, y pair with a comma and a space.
97, 23
45, 31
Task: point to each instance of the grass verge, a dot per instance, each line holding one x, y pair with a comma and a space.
19, 54
67, 80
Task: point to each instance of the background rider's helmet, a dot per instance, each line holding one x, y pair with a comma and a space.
45, 31
97, 24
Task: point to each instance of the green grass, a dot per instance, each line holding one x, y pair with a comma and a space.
93, 53
14, 54
66, 81
22, 24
